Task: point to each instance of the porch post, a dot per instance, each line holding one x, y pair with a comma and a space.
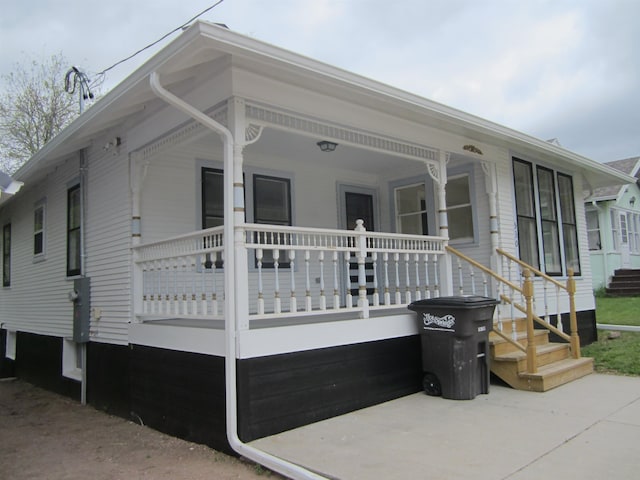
491, 182
237, 124
446, 268
136, 173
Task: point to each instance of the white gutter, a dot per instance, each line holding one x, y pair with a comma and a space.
270, 461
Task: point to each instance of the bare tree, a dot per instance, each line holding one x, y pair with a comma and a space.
34, 107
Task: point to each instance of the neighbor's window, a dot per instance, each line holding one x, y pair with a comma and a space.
38, 230
593, 230
6, 255
615, 229
411, 209
459, 209
545, 210
74, 214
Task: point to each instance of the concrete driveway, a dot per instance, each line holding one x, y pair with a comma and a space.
588, 429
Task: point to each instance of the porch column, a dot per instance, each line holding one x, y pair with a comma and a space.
491, 182
137, 171
439, 175
237, 126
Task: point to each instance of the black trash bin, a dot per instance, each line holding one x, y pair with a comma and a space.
454, 333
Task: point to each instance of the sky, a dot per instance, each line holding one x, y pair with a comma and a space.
564, 69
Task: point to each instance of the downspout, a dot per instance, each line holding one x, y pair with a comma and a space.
270, 461
83, 261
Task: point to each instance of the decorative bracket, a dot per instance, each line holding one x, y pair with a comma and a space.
252, 133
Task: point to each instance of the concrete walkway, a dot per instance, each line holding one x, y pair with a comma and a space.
588, 429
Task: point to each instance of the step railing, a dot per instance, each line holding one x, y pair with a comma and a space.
517, 293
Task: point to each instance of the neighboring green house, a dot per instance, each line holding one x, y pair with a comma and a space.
613, 225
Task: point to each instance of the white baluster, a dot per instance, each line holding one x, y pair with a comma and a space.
416, 264
336, 287
308, 305
436, 285
214, 291
194, 287
387, 293
376, 294
559, 315
460, 277
347, 257
292, 260
323, 298
203, 275
407, 288
427, 289
472, 274
396, 260
259, 257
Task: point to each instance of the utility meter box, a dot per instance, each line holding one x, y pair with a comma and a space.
81, 298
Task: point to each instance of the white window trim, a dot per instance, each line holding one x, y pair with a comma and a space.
469, 173
10, 345
70, 353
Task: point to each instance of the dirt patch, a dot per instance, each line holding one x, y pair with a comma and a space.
44, 435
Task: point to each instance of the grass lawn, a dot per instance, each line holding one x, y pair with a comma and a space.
618, 310
618, 355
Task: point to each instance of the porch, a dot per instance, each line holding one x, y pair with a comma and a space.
301, 289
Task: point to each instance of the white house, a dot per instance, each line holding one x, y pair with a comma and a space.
226, 243
613, 226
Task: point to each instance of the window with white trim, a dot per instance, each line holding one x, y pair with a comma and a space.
615, 229
212, 197
593, 230
459, 209
546, 220
39, 230
411, 209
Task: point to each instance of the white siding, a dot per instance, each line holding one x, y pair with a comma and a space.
108, 238
37, 300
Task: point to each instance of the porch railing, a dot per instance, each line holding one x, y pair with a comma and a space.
521, 289
291, 271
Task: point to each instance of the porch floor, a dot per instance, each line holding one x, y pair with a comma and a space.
587, 429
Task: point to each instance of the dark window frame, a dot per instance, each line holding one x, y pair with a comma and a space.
39, 237
74, 231
6, 255
266, 262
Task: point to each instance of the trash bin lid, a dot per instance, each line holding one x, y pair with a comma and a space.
464, 301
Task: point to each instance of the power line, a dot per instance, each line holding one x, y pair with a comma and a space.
103, 72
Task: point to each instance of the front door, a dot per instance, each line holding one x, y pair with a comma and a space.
358, 203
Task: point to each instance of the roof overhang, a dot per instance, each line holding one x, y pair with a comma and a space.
204, 42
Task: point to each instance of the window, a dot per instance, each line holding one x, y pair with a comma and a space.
569, 227
549, 222
459, 209
38, 230
593, 230
411, 209
526, 214
212, 198
73, 231
272, 205
615, 229
6, 255
546, 219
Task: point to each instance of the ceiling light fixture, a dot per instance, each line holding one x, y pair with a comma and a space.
327, 146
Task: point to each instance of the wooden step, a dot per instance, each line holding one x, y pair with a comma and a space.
500, 346
556, 374
507, 325
545, 354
